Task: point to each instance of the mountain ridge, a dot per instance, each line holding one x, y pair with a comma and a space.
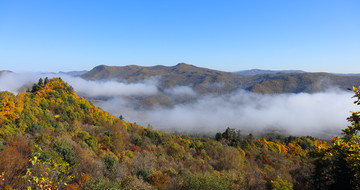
261, 71
182, 74
73, 73
179, 75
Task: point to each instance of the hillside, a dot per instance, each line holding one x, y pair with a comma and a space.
200, 82
52, 138
204, 80
301, 82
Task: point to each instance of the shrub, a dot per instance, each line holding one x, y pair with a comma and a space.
143, 173
100, 184
280, 184
154, 137
34, 127
66, 152
208, 181
90, 140
109, 162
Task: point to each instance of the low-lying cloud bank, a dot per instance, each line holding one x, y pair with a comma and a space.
299, 114
180, 91
109, 88
12, 82
315, 114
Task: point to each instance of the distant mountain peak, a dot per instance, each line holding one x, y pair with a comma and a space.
260, 71
131, 66
100, 67
73, 73
183, 65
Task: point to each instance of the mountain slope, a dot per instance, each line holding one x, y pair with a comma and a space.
301, 82
205, 81
201, 79
52, 139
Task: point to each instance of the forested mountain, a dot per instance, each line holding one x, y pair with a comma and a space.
204, 80
301, 82
53, 139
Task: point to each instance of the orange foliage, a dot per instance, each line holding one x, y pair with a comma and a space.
104, 147
12, 167
157, 180
72, 187
135, 148
84, 178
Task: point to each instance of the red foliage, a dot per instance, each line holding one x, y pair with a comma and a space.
265, 159
135, 148
105, 147
22, 146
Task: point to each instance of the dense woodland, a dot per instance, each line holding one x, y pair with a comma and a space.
50, 138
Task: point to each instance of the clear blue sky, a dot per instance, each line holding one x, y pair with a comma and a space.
65, 35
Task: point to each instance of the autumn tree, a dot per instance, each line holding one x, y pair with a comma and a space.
338, 166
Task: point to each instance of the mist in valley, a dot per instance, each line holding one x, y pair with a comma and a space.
317, 114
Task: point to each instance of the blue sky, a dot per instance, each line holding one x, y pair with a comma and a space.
311, 35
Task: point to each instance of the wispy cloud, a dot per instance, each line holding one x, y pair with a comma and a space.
110, 88
180, 91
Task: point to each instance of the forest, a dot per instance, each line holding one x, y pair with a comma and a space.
50, 138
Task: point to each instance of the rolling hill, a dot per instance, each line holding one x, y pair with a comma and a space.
202, 80
205, 81
301, 82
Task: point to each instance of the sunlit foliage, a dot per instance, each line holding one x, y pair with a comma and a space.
338, 166
50, 138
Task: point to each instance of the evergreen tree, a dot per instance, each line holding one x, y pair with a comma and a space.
46, 80
40, 83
